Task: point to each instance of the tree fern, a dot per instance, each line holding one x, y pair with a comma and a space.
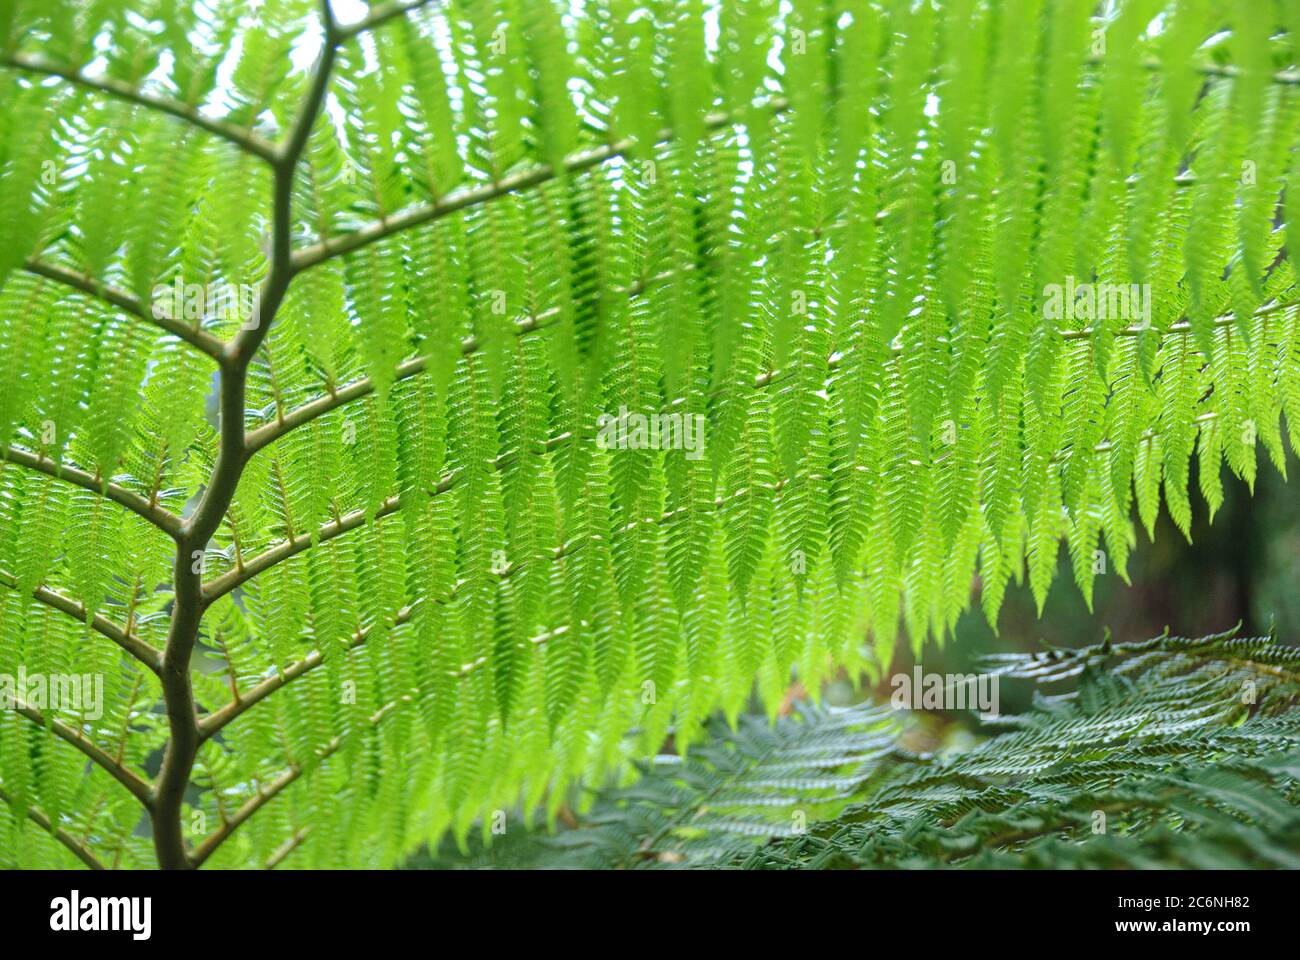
364, 522
1168, 752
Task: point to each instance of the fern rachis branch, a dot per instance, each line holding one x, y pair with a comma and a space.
413, 216
126, 777
265, 795
198, 338
164, 520
244, 139
189, 606
74, 846
128, 641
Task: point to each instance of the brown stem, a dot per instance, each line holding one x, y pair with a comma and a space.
126, 777
123, 637
164, 520
189, 604
200, 339
244, 139
77, 848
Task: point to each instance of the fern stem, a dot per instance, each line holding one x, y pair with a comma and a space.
146, 653
214, 840
189, 605
291, 773
281, 853
240, 137
457, 200
195, 337
74, 846
122, 738
462, 199
293, 545
164, 520
126, 777
220, 718
339, 396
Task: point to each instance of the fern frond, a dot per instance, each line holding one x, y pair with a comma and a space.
873, 282
1159, 762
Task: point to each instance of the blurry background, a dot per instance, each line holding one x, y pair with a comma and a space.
1244, 566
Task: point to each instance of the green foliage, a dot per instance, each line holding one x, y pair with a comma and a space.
473, 228
804, 766
1172, 752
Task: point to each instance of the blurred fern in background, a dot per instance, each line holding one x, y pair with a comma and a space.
1171, 752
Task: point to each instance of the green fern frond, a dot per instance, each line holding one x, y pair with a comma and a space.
310, 329
1156, 758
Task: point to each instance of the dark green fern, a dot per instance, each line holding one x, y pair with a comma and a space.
1172, 752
